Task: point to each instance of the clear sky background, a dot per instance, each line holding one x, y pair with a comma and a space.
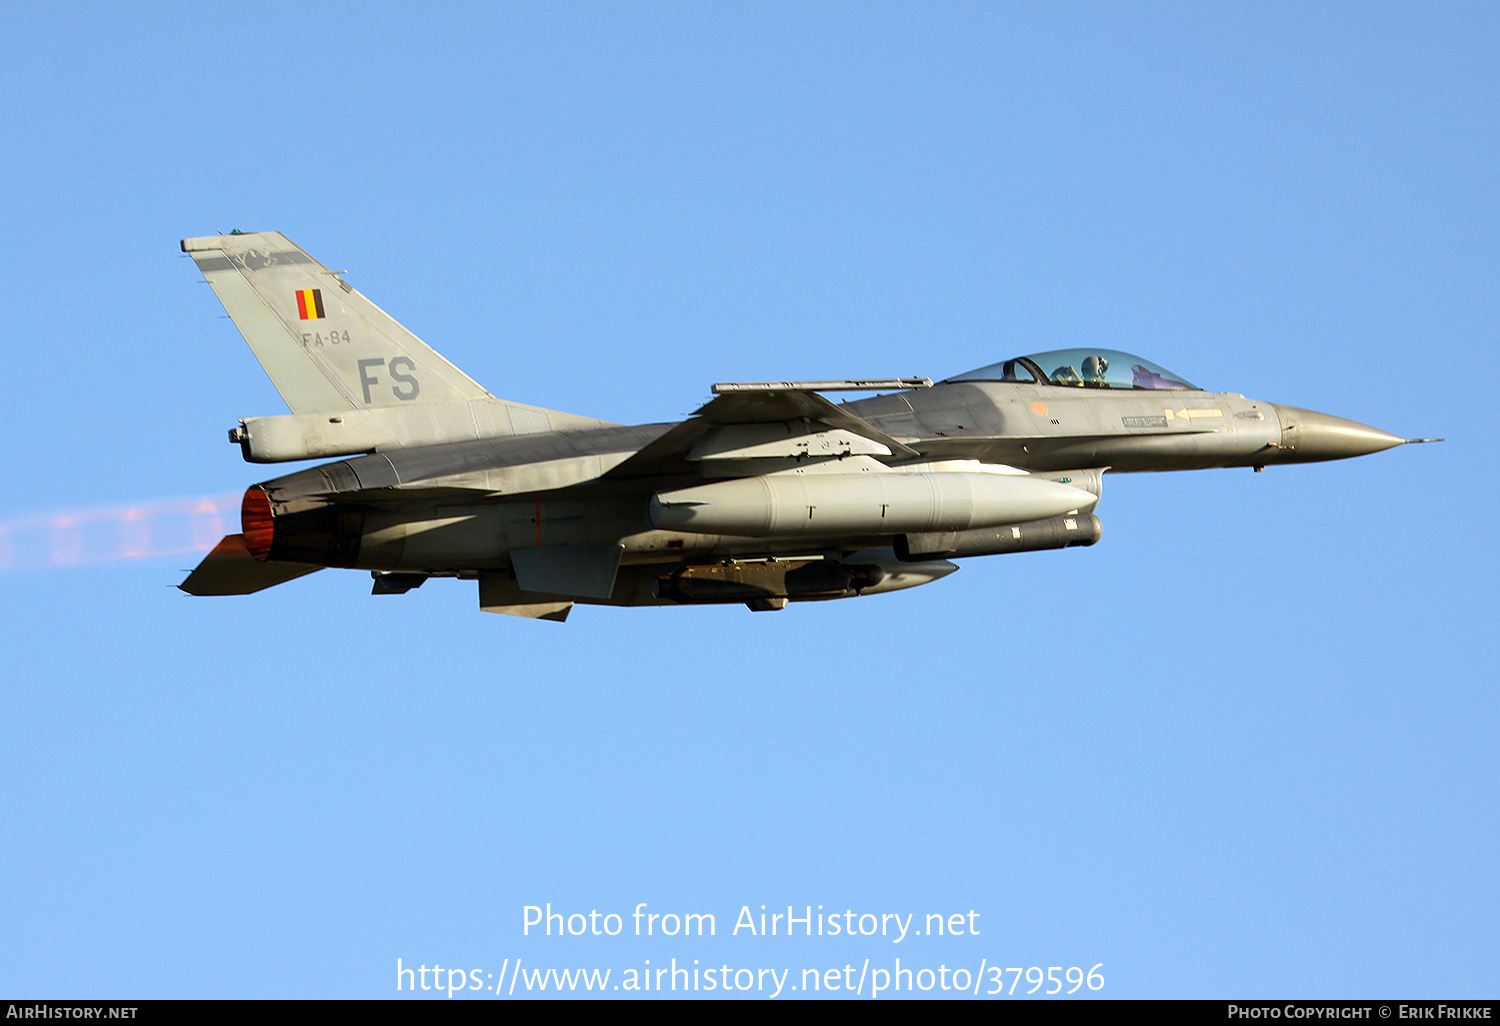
1245, 746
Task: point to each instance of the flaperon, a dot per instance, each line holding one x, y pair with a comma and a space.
768, 494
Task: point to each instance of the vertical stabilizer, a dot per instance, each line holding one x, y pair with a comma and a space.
326, 347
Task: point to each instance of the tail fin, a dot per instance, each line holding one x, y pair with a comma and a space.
325, 346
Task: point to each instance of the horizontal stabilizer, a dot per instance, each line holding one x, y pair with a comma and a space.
230, 570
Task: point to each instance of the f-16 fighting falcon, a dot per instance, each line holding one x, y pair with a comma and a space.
768, 494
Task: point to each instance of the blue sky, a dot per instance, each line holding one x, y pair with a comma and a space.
1242, 747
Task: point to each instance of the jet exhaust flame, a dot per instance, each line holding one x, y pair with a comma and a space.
103, 534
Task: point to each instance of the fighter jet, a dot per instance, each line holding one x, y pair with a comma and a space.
768, 494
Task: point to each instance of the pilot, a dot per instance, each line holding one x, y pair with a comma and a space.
1094, 368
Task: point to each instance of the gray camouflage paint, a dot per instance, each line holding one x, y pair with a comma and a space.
546, 508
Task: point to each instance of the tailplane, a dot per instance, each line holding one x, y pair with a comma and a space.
230, 569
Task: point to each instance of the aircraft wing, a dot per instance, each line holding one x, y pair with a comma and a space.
773, 423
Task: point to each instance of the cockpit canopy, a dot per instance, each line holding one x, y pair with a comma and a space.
1080, 368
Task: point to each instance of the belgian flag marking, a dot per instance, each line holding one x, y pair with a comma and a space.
310, 304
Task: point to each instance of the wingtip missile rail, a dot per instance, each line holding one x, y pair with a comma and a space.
846, 385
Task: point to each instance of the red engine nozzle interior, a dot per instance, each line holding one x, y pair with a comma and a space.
255, 522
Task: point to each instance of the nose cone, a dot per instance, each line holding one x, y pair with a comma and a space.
1308, 436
